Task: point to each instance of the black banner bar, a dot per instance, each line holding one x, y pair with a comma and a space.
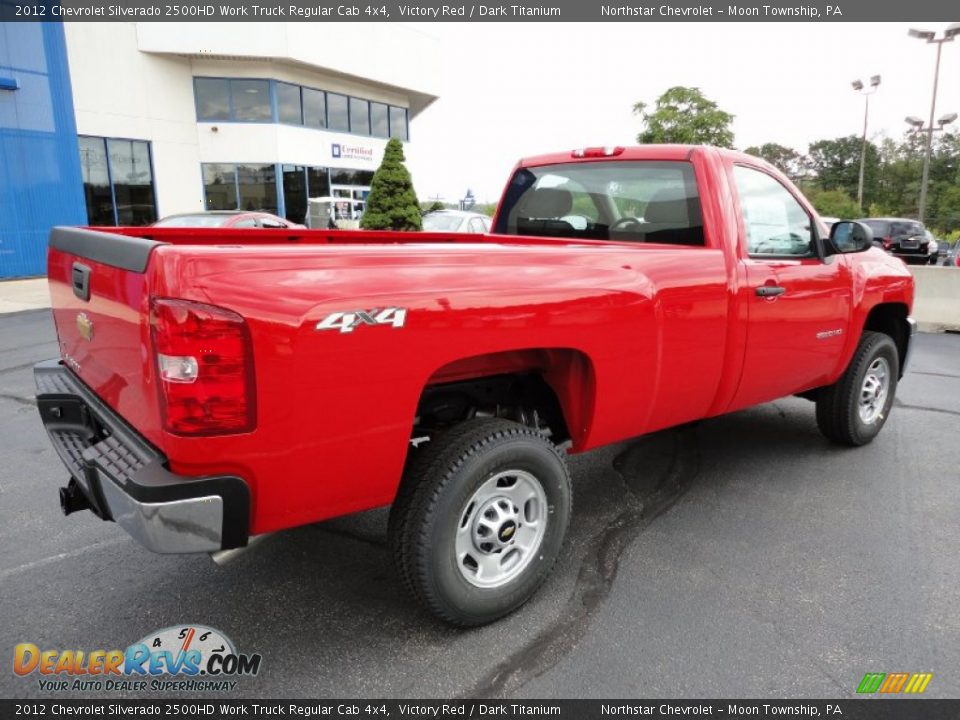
860, 709
454, 11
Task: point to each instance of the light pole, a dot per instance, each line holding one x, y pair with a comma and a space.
866, 92
931, 37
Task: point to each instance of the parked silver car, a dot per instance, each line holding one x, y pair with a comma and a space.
458, 221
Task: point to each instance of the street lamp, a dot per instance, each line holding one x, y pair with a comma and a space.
929, 36
916, 124
866, 92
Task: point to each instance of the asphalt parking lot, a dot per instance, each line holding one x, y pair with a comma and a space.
739, 557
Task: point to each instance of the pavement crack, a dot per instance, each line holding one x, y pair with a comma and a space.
656, 471
943, 411
24, 366
935, 374
30, 402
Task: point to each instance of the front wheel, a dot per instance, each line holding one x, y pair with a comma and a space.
480, 519
853, 410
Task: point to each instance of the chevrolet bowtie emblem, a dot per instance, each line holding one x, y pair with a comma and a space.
85, 326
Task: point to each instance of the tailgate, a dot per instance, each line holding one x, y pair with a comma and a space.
98, 289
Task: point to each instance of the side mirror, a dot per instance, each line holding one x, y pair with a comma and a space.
849, 236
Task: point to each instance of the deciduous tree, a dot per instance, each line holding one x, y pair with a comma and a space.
684, 115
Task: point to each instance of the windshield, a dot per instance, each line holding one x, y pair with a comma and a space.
200, 220
626, 200
441, 222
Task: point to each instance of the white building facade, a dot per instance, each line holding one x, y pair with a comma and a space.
176, 118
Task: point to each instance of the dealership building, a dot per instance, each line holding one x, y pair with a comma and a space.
123, 123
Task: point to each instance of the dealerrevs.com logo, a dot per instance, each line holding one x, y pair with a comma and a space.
185, 658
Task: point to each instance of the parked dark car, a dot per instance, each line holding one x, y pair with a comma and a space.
952, 258
226, 219
906, 239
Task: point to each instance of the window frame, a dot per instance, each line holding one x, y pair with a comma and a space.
303, 113
110, 180
386, 107
406, 122
276, 93
816, 239
274, 83
345, 97
608, 210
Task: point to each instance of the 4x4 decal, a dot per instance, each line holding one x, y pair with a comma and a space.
347, 321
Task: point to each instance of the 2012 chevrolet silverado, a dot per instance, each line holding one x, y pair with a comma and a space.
217, 384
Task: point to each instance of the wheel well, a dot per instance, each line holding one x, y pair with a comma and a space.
891, 319
551, 390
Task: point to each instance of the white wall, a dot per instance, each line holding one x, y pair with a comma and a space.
129, 83
120, 92
391, 54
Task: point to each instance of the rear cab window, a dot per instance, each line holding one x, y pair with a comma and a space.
903, 230
626, 200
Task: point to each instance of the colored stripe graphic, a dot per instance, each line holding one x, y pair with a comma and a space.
871, 682
918, 683
892, 683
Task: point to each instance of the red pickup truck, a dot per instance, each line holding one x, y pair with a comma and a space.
217, 384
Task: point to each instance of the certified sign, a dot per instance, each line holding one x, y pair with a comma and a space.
352, 152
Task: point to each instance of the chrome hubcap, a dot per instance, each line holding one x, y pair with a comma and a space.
873, 392
501, 528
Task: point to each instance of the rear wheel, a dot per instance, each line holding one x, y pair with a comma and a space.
853, 410
480, 519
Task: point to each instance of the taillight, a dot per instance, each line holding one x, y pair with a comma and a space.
204, 362
595, 152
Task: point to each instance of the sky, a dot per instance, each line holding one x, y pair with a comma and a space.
515, 89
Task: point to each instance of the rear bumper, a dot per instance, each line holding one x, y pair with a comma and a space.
123, 478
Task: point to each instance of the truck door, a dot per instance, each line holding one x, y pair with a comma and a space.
799, 302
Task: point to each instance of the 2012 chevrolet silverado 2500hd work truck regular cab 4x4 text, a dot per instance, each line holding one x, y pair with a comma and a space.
217, 384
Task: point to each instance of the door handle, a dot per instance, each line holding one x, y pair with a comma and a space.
769, 291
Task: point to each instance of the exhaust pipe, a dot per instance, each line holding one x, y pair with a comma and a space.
72, 498
222, 557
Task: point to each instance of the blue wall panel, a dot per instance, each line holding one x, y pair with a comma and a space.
40, 181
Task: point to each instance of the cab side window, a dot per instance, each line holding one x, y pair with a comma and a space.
776, 225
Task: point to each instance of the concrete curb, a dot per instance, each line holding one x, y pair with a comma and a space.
936, 304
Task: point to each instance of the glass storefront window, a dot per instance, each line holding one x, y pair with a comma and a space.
318, 182
351, 177
337, 113
251, 100
96, 181
398, 123
379, 120
295, 192
289, 109
314, 108
213, 98
257, 185
117, 181
242, 100
219, 186
359, 116
132, 178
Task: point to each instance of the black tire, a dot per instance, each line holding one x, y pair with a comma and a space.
838, 405
432, 503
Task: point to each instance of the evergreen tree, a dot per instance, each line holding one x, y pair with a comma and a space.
392, 203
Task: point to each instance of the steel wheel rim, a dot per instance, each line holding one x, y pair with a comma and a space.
501, 528
874, 391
